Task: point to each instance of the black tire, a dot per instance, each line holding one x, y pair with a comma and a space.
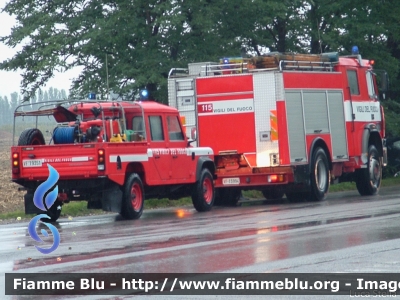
319, 175
32, 136
54, 212
133, 198
275, 193
203, 193
227, 196
368, 181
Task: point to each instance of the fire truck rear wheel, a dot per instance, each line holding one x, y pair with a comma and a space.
320, 175
203, 193
32, 136
368, 181
133, 198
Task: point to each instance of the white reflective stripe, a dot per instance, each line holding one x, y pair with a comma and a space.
81, 158
200, 151
224, 107
363, 111
224, 94
129, 157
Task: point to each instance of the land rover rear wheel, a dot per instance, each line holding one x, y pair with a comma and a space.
203, 192
133, 198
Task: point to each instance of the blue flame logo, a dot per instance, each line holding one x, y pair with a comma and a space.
44, 202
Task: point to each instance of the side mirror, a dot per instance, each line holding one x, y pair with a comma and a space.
193, 136
382, 81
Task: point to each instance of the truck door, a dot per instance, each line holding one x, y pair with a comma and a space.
158, 151
178, 149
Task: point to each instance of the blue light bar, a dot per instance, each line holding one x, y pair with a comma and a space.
144, 94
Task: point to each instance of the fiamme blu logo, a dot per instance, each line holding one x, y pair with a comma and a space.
44, 197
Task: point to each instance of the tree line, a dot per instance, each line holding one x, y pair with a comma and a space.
127, 45
9, 104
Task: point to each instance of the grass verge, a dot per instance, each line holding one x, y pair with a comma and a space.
75, 209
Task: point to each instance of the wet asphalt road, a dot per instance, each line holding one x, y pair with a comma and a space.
345, 233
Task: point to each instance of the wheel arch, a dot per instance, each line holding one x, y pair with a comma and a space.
371, 136
204, 162
135, 167
319, 142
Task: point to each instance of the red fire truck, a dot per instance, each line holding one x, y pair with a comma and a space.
111, 154
285, 123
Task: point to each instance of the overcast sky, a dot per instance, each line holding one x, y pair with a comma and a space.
10, 81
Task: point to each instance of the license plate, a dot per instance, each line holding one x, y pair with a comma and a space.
230, 181
31, 163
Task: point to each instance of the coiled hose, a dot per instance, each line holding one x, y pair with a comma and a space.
64, 135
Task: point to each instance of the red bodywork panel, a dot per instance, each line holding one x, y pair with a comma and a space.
309, 80
219, 106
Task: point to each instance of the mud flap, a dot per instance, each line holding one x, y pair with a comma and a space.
30, 207
111, 199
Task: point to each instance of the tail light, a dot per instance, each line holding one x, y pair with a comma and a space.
276, 178
101, 160
15, 163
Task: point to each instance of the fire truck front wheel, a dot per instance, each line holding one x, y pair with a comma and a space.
320, 175
368, 180
203, 193
133, 198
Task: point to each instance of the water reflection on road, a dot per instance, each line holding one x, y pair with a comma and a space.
182, 240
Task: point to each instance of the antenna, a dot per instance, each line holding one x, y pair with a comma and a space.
319, 39
108, 88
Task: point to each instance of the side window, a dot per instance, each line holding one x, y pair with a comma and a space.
138, 129
137, 124
353, 82
370, 85
156, 129
174, 130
